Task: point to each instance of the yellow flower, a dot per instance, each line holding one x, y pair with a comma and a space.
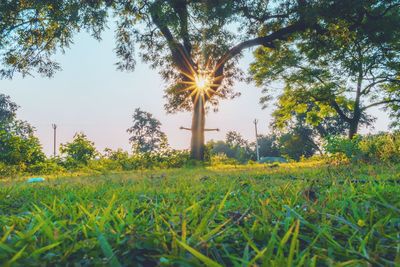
361, 223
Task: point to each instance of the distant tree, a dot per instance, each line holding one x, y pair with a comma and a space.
342, 72
297, 143
9, 121
234, 146
268, 145
20, 150
8, 109
221, 147
233, 139
117, 155
146, 133
288, 116
18, 145
79, 151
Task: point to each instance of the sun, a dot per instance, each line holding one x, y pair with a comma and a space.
202, 83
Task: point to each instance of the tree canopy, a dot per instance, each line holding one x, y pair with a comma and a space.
146, 134
195, 45
344, 72
18, 145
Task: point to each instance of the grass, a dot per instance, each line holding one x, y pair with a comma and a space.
304, 214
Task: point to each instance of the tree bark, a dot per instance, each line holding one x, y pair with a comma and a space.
198, 125
353, 129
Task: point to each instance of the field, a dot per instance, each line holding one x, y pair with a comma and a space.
302, 214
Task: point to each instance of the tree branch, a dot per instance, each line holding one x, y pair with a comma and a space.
381, 103
340, 112
180, 56
180, 7
266, 41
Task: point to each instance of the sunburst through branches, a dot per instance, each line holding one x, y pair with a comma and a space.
201, 83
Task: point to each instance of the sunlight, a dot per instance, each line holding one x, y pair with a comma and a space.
202, 83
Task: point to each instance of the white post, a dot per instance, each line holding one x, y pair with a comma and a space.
257, 148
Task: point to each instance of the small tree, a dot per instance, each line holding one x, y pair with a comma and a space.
146, 133
234, 146
268, 146
18, 145
297, 143
80, 151
20, 150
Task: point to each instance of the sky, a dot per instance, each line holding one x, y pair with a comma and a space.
89, 95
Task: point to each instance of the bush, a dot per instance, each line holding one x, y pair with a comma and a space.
7, 171
78, 152
121, 160
222, 159
342, 146
383, 147
20, 150
47, 167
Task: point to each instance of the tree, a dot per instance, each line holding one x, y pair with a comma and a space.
268, 145
297, 144
20, 150
342, 73
18, 145
234, 146
195, 44
146, 133
79, 151
9, 121
320, 120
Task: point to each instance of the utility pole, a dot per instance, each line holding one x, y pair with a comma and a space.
55, 138
257, 148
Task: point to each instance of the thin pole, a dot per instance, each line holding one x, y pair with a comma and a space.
257, 148
55, 139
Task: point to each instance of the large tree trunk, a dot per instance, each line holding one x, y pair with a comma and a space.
198, 124
353, 130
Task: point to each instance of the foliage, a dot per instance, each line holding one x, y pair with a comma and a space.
183, 39
32, 31
268, 146
234, 147
146, 133
243, 215
343, 72
121, 160
48, 166
79, 151
18, 146
222, 159
341, 145
383, 147
17, 150
296, 144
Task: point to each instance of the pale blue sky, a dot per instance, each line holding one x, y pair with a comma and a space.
90, 95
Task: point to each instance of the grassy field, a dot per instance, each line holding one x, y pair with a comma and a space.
304, 214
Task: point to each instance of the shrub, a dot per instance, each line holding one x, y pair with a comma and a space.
339, 146
78, 152
7, 171
47, 167
222, 159
381, 147
20, 150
